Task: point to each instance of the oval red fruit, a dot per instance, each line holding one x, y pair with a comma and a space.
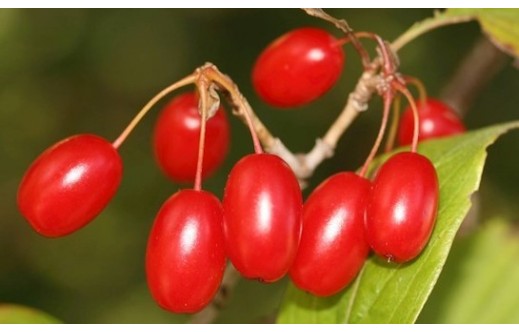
185, 257
436, 120
403, 205
176, 139
333, 246
262, 224
69, 184
298, 67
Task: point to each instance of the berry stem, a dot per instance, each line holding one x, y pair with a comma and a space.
388, 98
416, 117
387, 61
344, 27
351, 37
389, 66
394, 124
422, 92
202, 87
126, 132
238, 101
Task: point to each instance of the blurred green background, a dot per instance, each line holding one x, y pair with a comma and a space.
64, 72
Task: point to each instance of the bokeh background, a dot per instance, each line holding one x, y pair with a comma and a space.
64, 72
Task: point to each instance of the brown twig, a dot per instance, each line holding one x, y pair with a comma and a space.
303, 165
477, 69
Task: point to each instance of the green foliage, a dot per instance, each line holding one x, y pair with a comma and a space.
479, 281
389, 293
17, 314
501, 25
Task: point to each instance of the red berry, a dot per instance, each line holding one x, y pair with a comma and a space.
402, 209
436, 120
69, 184
185, 258
177, 134
333, 246
298, 67
262, 206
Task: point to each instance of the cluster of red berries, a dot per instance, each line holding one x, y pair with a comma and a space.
347, 214
261, 225
257, 224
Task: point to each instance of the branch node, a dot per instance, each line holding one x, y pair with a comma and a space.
279, 149
367, 84
320, 151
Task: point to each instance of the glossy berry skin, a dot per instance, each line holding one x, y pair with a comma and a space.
333, 246
402, 208
69, 184
262, 206
185, 257
436, 120
176, 138
298, 67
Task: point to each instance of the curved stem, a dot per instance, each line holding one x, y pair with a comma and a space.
364, 55
344, 27
215, 75
384, 50
388, 98
422, 92
389, 67
202, 90
394, 124
183, 82
416, 116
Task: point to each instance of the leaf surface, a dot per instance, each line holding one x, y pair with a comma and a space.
18, 314
479, 283
390, 293
500, 24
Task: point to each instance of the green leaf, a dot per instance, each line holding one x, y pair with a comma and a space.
479, 283
18, 314
390, 293
501, 25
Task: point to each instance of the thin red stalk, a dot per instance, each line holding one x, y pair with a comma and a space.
222, 80
342, 25
255, 140
202, 91
388, 97
388, 64
394, 125
122, 137
422, 92
364, 55
416, 116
